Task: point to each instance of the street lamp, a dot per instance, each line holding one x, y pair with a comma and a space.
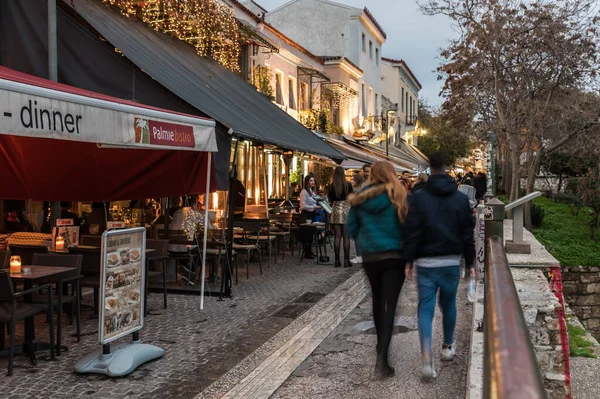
491, 181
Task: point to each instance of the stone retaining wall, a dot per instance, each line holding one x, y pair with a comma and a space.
541, 310
581, 287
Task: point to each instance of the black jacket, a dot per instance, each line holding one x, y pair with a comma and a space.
440, 222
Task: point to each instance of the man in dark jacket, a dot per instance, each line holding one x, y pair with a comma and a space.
439, 231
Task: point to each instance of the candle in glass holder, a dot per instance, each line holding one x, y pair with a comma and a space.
60, 242
15, 264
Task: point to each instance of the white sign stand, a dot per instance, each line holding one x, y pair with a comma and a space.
122, 287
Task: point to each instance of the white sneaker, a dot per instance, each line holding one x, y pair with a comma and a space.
356, 259
448, 352
428, 373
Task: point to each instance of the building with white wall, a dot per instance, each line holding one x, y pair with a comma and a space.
280, 68
401, 86
345, 37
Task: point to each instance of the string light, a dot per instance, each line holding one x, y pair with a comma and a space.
208, 25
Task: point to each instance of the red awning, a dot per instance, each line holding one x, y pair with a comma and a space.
57, 169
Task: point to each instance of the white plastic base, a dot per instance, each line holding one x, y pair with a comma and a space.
123, 359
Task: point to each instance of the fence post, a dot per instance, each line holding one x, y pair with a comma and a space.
480, 241
493, 212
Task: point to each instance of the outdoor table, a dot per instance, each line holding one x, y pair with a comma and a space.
66, 250
47, 273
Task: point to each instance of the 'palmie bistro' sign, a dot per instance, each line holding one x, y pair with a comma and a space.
149, 131
25, 114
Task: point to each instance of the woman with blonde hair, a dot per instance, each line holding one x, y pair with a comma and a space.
375, 221
338, 194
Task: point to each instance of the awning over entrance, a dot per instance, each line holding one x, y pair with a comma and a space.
358, 156
58, 142
201, 82
36, 107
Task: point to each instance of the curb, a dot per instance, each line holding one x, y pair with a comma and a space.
267, 368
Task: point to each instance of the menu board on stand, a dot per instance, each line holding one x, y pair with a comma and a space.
122, 287
66, 229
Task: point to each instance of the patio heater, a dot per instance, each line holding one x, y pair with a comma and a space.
287, 158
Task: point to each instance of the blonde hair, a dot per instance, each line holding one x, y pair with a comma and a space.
382, 172
424, 177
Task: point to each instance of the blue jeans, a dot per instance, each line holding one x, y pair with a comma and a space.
429, 279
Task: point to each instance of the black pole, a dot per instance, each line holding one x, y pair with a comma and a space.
230, 215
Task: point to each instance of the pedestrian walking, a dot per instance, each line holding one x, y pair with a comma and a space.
405, 180
480, 184
375, 221
438, 232
308, 208
421, 182
366, 171
338, 195
358, 182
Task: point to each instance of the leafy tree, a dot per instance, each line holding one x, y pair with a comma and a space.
442, 135
566, 164
589, 189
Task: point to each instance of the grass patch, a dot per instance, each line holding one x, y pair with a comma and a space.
565, 236
578, 345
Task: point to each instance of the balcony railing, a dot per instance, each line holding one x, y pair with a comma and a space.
411, 120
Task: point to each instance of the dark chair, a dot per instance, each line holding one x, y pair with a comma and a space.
93, 241
160, 256
90, 270
263, 234
12, 311
245, 245
283, 225
73, 280
26, 252
3, 259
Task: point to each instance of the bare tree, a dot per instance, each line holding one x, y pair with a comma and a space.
524, 70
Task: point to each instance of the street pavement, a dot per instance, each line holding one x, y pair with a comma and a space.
342, 365
200, 345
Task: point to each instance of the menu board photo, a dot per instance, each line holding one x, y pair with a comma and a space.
122, 283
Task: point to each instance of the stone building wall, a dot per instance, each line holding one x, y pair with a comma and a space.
581, 287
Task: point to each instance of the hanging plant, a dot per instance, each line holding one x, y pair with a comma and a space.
261, 79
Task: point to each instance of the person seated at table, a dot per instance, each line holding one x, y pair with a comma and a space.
308, 208
65, 213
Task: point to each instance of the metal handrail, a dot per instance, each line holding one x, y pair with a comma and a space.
511, 370
523, 200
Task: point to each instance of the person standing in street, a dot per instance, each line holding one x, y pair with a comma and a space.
375, 221
366, 171
308, 208
421, 182
338, 195
480, 184
358, 182
405, 180
438, 232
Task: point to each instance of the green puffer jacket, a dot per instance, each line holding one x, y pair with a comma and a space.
373, 222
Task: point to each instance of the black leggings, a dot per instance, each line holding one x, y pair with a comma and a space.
340, 232
386, 278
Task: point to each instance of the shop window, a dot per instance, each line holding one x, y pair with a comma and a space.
279, 88
292, 93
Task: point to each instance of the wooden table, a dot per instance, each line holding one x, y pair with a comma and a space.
47, 273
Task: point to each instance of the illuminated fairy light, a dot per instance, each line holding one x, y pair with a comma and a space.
193, 223
208, 25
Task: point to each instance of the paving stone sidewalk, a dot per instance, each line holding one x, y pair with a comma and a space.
342, 366
200, 345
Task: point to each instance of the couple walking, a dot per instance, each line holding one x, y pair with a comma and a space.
428, 231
